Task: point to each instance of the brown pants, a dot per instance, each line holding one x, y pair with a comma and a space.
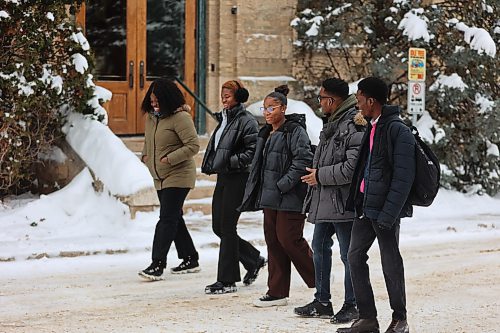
283, 232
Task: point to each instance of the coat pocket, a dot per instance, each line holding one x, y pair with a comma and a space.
339, 202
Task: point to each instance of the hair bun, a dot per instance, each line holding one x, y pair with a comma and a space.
283, 89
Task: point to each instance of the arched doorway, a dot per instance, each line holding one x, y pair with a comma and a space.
134, 42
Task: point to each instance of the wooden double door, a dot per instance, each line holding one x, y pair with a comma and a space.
134, 42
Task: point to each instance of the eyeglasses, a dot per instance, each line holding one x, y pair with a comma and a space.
322, 97
269, 109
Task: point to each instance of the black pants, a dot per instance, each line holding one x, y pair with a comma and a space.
172, 227
227, 198
363, 235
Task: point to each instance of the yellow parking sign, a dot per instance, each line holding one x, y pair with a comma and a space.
416, 64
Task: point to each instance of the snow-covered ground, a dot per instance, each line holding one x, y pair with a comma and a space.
77, 219
450, 250
72, 259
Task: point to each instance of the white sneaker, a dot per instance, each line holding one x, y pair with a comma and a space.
268, 301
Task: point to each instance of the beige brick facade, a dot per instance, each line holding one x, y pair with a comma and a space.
253, 45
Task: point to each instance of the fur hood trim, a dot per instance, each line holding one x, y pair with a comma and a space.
360, 120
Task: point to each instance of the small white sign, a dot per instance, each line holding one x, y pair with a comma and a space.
416, 97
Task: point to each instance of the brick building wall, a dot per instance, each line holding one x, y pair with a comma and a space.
249, 40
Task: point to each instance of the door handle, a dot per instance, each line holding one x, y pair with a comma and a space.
131, 74
141, 74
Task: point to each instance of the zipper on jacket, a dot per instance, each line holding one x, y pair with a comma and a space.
225, 130
154, 150
264, 154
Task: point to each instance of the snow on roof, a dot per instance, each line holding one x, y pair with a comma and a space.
267, 78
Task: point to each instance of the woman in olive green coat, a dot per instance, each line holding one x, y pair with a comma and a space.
170, 144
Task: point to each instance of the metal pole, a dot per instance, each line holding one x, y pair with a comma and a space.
201, 66
195, 97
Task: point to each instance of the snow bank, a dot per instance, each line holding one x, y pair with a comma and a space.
107, 156
454, 216
77, 218
313, 123
73, 218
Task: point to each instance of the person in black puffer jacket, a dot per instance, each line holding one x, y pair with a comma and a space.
229, 154
379, 193
283, 152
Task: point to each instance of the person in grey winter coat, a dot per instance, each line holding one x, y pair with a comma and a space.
282, 154
329, 181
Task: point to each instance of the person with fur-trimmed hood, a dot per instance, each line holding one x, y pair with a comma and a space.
282, 154
329, 180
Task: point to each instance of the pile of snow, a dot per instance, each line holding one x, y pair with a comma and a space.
107, 156
73, 218
313, 123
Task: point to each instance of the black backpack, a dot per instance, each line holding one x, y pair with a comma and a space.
427, 172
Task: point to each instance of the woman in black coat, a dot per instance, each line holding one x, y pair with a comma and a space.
283, 152
229, 154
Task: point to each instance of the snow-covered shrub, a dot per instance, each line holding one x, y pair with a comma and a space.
45, 68
363, 38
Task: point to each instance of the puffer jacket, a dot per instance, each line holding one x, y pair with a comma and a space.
280, 161
175, 137
335, 159
388, 171
236, 146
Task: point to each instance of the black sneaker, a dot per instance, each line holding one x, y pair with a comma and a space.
348, 313
154, 272
315, 309
220, 288
268, 300
252, 274
188, 265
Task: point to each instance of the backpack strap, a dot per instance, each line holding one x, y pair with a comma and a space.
388, 137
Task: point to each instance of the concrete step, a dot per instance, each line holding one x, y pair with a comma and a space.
203, 205
202, 176
200, 198
136, 143
203, 189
